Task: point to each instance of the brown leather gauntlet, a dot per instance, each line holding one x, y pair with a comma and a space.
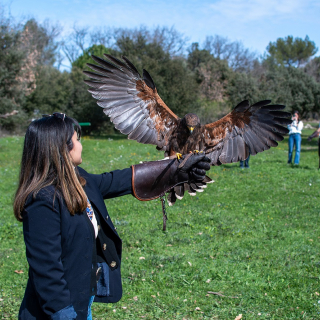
314, 135
152, 179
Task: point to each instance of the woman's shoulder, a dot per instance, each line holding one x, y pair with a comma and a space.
45, 204
82, 171
89, 177
48, 194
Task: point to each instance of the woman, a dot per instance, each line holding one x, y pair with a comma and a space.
72, 247
295, 137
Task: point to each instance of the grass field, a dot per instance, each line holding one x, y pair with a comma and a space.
252, 237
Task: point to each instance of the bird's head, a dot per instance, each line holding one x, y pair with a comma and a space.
192, 121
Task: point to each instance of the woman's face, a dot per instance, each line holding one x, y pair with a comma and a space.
76, 151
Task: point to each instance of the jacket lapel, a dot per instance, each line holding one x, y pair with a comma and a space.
98, 202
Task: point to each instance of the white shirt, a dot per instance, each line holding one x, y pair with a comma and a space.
95, 224
295, 127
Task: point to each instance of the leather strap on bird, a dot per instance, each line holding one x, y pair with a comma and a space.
164, 212
185, 160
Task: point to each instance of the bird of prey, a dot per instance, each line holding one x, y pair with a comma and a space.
136, 109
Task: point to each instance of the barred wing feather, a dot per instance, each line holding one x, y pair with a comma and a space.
131, 102
246, 129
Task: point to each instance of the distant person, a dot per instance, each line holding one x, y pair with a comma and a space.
72, 247
295, 137
314, 135
245, 163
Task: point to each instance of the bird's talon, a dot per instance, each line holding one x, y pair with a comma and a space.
196, 151
179, 156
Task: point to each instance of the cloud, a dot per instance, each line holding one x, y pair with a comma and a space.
255, 10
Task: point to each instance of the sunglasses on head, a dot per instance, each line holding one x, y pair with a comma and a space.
55, 114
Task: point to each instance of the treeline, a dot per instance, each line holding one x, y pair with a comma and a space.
208, 78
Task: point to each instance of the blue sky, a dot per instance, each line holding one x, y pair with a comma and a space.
254, 22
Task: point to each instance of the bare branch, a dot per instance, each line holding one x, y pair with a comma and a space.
170, 40
239, 58
9, 114
80, 36
71, 51
103, 36
75, 44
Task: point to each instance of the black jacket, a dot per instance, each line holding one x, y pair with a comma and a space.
59, 249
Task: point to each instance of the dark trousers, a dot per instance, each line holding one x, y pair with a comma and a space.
245, 163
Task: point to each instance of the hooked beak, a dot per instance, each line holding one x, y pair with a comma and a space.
191, 129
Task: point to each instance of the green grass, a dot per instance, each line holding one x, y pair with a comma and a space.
253, 236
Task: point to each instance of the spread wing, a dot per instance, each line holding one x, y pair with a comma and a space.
131, 102
246, 129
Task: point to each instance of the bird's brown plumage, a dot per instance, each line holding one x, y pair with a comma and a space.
136, 109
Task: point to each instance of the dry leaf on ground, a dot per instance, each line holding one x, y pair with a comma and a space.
18, 271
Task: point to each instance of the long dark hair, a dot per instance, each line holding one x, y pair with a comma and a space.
297, 112
46, 161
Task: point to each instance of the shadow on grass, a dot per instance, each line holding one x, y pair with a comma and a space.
234, 166
299, 167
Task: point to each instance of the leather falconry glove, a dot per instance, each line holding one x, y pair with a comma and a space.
315, 134
152, 179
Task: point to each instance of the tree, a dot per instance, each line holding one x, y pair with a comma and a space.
169, 40
291, 52
197, 56
241, 87
11, 63
84, 108
97, 50
313, 68
289, 86
292, 87
24, 47
212, 74
239, 58
303, 92
52, 94
80, 103
74, 44
102, 36
39, 47
41, 38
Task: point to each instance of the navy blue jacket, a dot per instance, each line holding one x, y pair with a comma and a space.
59, 249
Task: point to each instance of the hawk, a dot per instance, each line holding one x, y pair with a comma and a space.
136, 109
